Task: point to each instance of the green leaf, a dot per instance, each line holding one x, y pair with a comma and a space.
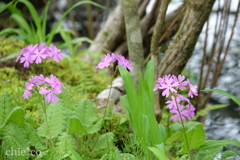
86, 111
234, 98
174, 137
15, 139
33, 137
227, 154
132, 101
233, 150
74, 154
64, 143
218, 143
23, 25
102, 142
195, 138
17, 115
49, 154
5, 6
5, 107
208, 154
9, 57
204, 111
160, 155
31, 121
76, 126
33, 12
95, 127
56, 121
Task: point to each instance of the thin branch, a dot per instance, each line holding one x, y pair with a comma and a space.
154, 48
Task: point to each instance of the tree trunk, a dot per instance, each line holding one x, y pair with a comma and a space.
111, 36
134, 38
178, 54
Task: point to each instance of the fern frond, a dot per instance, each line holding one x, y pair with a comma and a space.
5, 107
56, 121
33, 137
15, 139
64, 142
86, 111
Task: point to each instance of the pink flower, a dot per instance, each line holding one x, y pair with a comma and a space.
106, 61
182, 98
111, 58
156, 87
189, 112
192, 90
53, 52
168, 86
122, 61
50, 97
39, 80
54, 82
172, 104
178, 112
27, 59
27, 94
39, 55
180, 80
26, 51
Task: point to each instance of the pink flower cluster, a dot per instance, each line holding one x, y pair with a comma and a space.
111, 58
35, 53
49, 86
173, 85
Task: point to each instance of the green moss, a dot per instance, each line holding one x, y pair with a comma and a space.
79, 77
10, 45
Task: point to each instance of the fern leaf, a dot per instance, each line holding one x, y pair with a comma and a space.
208, 154
15, 140
95, 128
66, 100
56, 120
116, 155
48, 155
86, 112
174, 137
195, 137
206, 110
102, 142
5, 107
64, 141
33, 137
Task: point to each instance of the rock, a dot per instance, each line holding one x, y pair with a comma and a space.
116, 91
102, 98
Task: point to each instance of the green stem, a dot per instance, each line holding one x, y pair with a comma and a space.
48, 130
184, 130
105, 112
46, 119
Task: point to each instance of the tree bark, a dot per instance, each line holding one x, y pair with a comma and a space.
178, 54
112, 32
134, 38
